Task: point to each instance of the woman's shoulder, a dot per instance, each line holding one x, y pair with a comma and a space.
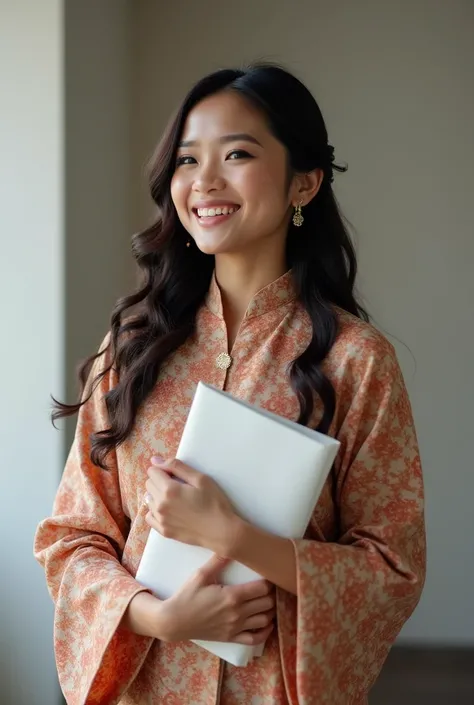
359, 343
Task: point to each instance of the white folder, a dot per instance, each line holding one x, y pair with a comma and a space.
272, 470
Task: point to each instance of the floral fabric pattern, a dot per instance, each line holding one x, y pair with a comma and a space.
361, 564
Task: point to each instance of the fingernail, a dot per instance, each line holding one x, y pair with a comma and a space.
157, 460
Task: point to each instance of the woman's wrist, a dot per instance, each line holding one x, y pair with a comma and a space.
270, 556
145, 616
227, 541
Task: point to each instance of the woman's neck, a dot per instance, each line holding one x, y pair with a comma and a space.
239, 280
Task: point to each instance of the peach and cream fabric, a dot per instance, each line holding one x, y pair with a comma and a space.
360, 566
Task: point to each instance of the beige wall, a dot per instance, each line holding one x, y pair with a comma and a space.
395, 84
97, 193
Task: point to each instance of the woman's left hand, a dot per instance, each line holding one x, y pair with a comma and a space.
194, 511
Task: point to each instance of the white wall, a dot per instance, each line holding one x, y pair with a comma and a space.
31, 338
395, 83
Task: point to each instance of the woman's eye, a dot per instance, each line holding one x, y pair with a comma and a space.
186, 159
239, 154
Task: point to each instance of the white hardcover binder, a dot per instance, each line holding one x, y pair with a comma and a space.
272, 470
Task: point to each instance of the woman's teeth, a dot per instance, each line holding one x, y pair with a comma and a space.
210, 212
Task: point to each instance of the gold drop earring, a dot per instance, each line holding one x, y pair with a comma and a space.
298, 219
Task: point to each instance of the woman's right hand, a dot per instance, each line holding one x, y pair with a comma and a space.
204, 610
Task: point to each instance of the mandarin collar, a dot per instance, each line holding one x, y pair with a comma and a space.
277, 293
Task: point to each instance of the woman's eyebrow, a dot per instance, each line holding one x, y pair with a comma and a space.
238, 137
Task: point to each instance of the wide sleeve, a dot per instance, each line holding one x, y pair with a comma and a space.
354, 595
80, 548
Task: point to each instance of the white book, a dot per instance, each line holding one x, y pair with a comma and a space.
272, 470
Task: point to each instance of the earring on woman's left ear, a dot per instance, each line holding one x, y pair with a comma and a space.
298, 219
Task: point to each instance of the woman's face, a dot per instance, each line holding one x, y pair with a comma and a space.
230, 186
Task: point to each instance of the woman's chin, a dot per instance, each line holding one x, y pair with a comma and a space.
209, 246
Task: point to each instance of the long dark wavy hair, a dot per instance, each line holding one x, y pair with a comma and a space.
176, 278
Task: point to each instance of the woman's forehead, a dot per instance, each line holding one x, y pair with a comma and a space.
223, 114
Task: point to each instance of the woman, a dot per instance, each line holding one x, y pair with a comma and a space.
248, 285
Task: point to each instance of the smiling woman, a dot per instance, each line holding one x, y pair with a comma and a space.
248, 285
248, 169
244, 173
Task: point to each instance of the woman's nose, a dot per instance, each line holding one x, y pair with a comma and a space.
208, 179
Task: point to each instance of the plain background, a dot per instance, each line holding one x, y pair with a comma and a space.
87, 87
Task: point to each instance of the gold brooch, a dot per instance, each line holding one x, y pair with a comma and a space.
223, 361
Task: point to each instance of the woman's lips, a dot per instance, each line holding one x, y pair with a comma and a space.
215, 215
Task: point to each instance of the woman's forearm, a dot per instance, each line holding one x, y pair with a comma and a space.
143, 616
270, 556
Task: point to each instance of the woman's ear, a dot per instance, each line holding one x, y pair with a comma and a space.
306, 186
